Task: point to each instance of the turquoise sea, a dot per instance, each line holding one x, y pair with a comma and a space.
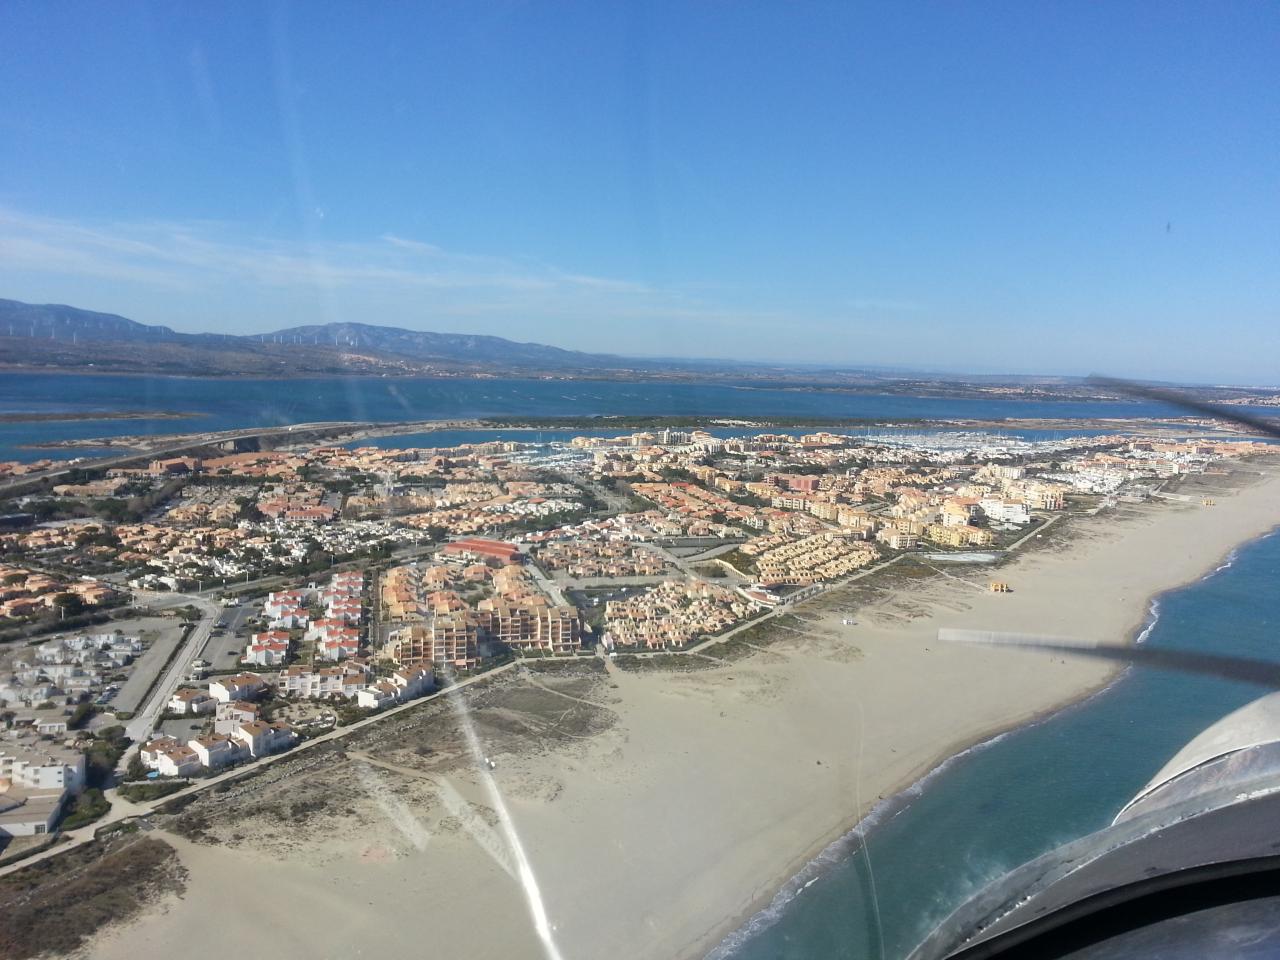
1024, 793
229, 404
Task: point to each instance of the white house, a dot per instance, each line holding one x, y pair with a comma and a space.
413, 681
150, 751
234, 712
242, 686
269, 649
178, 761
377, 696
338, 642
322, 682
191, 701
285, 600
345, 609
261, 738
289, 618
217, 750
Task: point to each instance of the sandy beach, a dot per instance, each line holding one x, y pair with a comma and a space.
658, 808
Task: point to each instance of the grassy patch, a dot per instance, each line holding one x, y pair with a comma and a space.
84, 809
54, 906
567, 666
739, 561
661, 663
146, 792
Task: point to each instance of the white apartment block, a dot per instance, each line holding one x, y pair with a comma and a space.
41, 765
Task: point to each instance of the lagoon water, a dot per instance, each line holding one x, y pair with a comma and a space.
230, 404
1026, 792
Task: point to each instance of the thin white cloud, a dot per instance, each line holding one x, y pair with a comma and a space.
186, 254
194, 275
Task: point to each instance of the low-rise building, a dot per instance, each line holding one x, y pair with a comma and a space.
234, 712
268, 649
39, 764
377, 696
242, 686
188, 700
261, 738
28, 813
179, 761
219, 750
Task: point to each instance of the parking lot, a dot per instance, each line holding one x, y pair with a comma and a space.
163, 635
185, 729
226, 645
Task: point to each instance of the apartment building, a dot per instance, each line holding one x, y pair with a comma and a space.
452, 639
345, 680
39, 764
896, 539
958, 536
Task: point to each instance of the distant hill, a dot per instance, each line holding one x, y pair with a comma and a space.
456, 347
65, 337
57, 321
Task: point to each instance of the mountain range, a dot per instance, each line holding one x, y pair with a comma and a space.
58, 336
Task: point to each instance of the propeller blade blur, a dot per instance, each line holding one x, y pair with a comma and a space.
1260, 673
1263, 425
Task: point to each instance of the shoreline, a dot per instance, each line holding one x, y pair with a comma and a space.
847, 839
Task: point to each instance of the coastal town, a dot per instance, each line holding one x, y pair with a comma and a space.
172, 621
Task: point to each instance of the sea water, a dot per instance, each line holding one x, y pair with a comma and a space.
1022, 794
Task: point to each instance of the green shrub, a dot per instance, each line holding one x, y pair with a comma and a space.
85, 809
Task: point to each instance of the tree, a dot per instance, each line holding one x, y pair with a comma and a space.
69, 604
80, 715
45, 509
111, 509
85, 809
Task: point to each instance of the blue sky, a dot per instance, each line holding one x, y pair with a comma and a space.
1012, 186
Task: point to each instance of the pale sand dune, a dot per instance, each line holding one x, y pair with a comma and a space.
658, 836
